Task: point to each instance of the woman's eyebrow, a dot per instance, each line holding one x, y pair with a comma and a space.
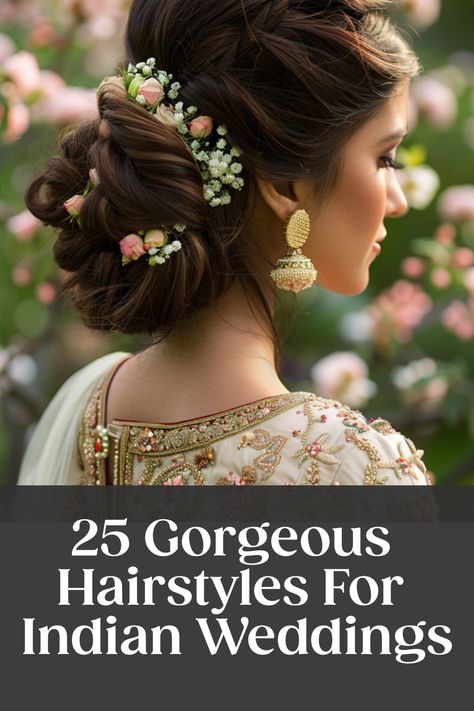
394, 136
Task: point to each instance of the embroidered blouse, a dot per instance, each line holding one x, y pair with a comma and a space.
295, 438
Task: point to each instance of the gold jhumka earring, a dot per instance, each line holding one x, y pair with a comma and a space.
294, 271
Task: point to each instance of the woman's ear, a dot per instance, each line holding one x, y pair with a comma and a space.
280, 197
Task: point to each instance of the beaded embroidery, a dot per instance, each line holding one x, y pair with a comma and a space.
190, 453
402, 466
170, 439
261, 439
152, 444
315, 452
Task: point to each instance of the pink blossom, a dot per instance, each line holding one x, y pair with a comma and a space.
413, 267
43, 34
457, 203
51, 84
21, 275
422, 13
151, 90
463, 257
343, 376
67, 105
469, 280
408, 379
7, 47
436, 101
397, 311
441, 278
23, 70
445, 233
465, 331
24, 225
131, 247
436, 389
74, 205
459, 319
201, 127
46, 293
18, 121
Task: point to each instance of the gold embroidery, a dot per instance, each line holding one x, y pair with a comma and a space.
402, 466
179, 472
261, 439
87, 441
316, 451
161, 449
382, 426
172, 439
248, 476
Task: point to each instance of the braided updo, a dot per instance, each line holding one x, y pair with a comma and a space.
291, 79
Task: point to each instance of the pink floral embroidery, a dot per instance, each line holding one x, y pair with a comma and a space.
177, 481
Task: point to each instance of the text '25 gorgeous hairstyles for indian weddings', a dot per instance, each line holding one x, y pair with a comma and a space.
291, 80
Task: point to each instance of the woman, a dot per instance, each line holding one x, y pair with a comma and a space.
246, 145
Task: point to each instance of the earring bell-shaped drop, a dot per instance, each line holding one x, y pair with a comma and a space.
294, 271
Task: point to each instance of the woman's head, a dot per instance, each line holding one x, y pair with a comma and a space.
302, 87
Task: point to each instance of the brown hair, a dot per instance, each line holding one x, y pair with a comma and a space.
291, 79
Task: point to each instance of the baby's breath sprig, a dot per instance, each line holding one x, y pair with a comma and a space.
156, 91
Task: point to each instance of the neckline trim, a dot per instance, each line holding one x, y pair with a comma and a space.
254, 404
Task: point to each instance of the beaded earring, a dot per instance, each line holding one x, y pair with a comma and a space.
294, 271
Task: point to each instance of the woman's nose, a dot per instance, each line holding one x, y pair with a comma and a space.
397, 204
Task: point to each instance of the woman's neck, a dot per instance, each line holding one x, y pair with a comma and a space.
222, 359
226, 347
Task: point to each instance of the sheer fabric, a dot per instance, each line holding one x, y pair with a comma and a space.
51, 456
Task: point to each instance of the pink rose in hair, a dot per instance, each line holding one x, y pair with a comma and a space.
151, 90
74, 205
201, 127
93, 175
131, 246
154, 238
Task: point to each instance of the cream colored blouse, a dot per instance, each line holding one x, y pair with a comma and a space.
296, 438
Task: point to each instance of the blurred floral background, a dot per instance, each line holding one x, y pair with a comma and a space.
403, 350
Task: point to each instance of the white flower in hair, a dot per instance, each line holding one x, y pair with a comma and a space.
155, 90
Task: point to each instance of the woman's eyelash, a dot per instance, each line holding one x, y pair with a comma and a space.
391, 163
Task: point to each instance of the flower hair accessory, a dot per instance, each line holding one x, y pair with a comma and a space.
156, 91
157, 244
